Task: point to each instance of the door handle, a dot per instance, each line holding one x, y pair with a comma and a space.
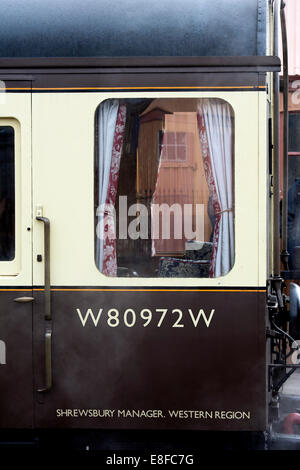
48, 361
24, 300
47, 306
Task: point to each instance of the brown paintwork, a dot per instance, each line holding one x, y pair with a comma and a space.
16, 378
160, 80
131, 73
217, 368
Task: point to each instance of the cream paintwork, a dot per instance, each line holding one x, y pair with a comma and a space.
263, 185
15, 110
63, 175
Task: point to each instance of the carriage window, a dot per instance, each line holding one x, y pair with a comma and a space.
164, 189
7, 193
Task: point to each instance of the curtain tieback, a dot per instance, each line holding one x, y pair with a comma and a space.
105, 212
224, 210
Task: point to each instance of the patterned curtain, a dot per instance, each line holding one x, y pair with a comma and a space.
216, 136
111, 125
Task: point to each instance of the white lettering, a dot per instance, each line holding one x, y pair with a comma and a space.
89, 313
201, 313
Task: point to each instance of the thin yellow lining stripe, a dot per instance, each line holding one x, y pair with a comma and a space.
140, 88
11, 88
135, 290
154, 290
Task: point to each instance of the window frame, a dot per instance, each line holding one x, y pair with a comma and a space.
173, 163
13, 267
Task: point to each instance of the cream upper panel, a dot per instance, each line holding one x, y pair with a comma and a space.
63, 183
15, 111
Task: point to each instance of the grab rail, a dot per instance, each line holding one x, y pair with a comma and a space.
47, 306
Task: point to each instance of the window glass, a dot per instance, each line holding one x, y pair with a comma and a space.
164, 187
294, 132
294, 191
7, 193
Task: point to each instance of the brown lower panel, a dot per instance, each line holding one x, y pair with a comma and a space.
156, 377
16, 378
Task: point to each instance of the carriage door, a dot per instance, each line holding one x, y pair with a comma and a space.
16, 296
63, 249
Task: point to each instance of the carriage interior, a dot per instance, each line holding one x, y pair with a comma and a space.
167, 186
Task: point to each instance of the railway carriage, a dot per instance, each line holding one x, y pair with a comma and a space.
139, 216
